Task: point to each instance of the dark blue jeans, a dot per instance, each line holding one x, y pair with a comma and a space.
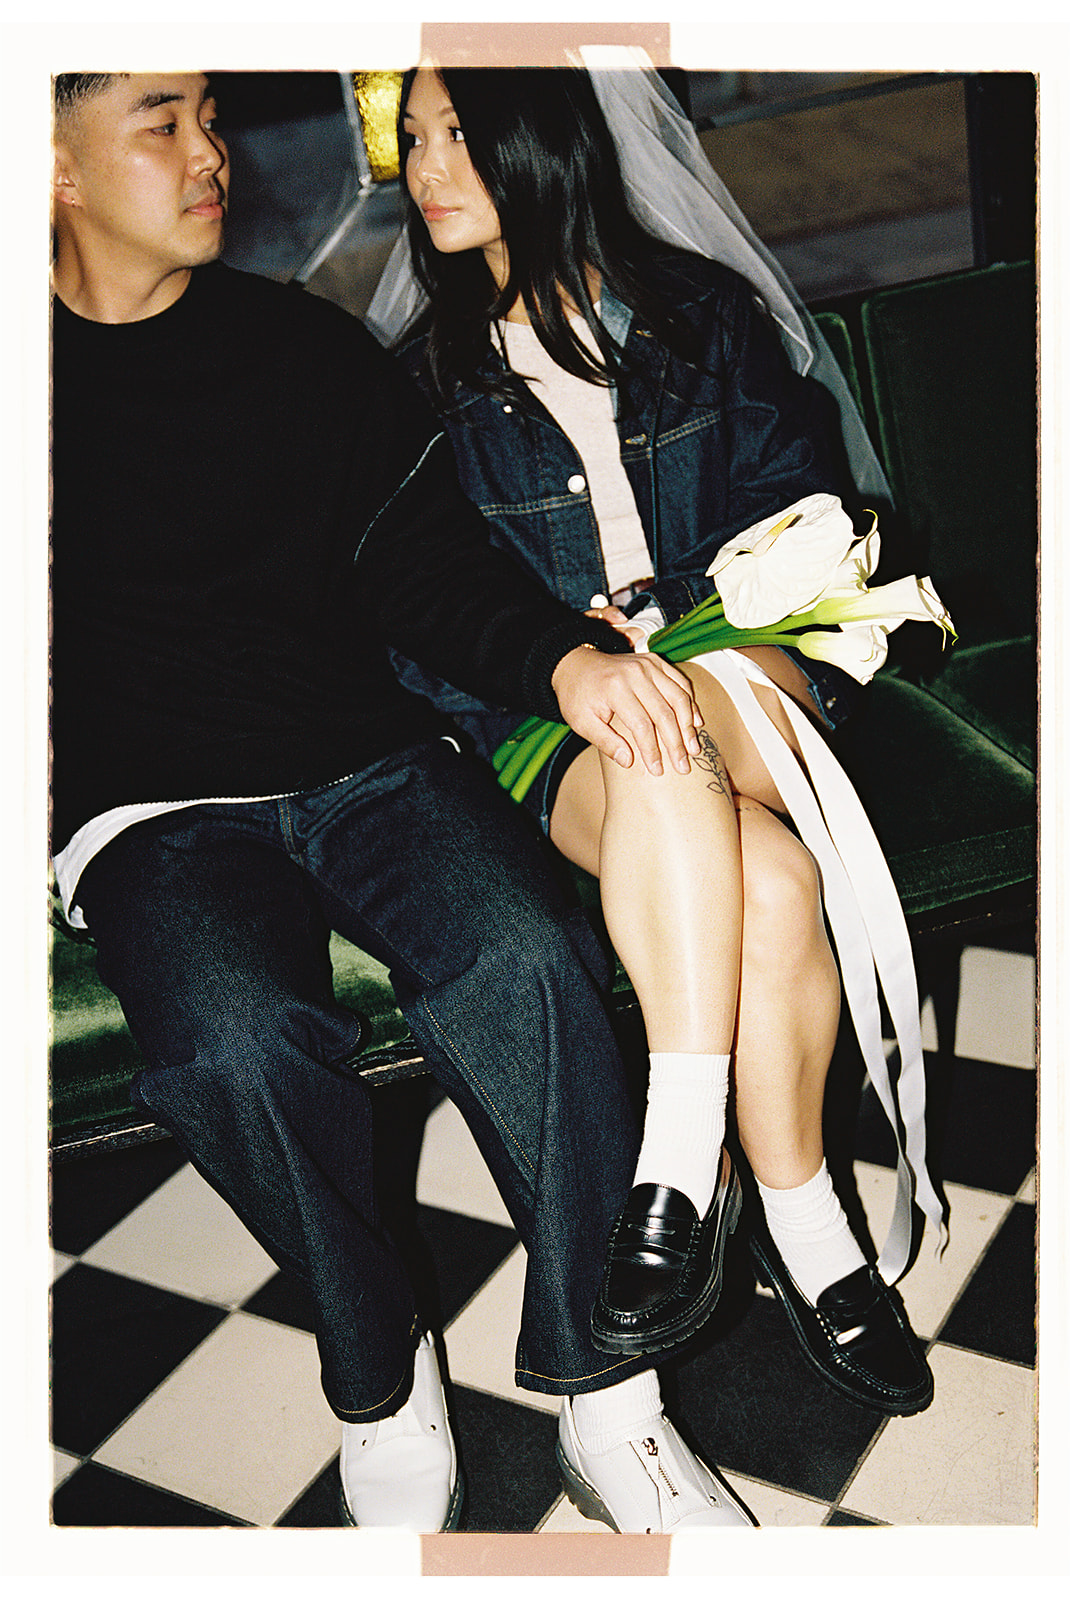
212, 927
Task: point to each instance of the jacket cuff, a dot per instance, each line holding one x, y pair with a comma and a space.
675, 596
552, 646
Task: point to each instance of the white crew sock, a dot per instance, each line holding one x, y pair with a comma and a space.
612, 1416
687, 1102
809, 1227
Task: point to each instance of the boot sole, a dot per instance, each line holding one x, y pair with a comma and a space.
453, 1510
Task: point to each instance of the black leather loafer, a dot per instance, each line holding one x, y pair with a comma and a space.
857, 1336
663, 1266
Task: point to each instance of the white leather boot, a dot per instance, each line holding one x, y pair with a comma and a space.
402, 1472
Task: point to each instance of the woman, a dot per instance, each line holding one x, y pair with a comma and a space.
618, 410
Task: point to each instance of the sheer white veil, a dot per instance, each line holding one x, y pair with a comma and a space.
676, 195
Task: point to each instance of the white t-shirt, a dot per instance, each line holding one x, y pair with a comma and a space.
584, 411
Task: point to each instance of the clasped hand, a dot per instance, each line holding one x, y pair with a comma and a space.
624, 704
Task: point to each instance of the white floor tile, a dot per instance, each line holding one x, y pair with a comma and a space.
997, 1007
968, 1460
481, 1342
60, 1263
564, 1518
934, 1281
242, 1425
62, 1466
1028, 1192
184, 1237
776, 1508
452, 1173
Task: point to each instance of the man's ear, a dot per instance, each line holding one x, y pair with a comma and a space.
64, 177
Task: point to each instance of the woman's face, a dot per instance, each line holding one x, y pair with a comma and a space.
441, 179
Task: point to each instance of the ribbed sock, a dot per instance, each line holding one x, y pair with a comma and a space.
627, 1410
809, 1227
683, 1133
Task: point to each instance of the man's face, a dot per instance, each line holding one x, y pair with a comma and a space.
143, 168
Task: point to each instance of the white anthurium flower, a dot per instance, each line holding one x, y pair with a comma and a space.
782, 564
859, 651
858, 566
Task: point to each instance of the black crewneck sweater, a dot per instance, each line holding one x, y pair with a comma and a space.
250, 502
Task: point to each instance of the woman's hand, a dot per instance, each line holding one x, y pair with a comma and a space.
628, 704
616, 618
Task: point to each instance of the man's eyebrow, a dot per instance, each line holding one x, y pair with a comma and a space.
153, 98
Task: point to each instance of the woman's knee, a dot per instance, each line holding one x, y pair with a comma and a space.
782, 904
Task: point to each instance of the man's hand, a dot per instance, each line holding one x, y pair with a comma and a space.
627, 704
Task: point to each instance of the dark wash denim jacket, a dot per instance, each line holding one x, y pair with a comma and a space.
709, 450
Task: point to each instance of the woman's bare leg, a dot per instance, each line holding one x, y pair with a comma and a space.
789, 1004
668, 852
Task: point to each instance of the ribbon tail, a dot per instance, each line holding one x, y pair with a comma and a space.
868, 929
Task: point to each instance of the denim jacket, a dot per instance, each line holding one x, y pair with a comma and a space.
709, 449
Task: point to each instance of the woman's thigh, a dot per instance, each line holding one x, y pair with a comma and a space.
580, 807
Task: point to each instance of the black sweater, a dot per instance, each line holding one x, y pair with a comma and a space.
250, 501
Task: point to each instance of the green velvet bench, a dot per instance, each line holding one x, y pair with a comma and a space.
944, 753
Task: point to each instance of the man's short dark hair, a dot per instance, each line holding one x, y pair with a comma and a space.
72, 89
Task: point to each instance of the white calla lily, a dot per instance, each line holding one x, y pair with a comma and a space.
782, 564
797, 579
906, 600
860, 651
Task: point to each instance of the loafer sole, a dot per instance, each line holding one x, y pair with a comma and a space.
904, 1403
664, 1336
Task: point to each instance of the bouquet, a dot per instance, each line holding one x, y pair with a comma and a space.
798, 578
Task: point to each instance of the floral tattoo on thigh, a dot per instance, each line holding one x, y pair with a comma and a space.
711, 761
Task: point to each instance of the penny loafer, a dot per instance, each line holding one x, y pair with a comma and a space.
663, 1266
857, 1335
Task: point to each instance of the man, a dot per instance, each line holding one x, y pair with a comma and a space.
249, 505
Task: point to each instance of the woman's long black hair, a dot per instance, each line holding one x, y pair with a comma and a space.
541, 148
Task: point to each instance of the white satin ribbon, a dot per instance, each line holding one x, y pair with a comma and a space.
868, 929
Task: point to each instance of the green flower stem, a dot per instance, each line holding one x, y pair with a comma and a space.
523, 755
526, 749
697, 641
545, 743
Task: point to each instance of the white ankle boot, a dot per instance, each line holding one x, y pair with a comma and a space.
650, 1485
402, 1472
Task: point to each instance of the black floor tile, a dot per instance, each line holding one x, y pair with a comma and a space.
981, 1125
90, 1194
847, 1519
114, 1340
93, 1497
749, 1403
464, 1252
507, 1452
996, 1312
283, 1298
319, 1506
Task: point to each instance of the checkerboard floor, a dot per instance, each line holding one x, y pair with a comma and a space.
185, 1382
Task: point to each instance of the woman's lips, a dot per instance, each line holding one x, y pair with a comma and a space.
436, 213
